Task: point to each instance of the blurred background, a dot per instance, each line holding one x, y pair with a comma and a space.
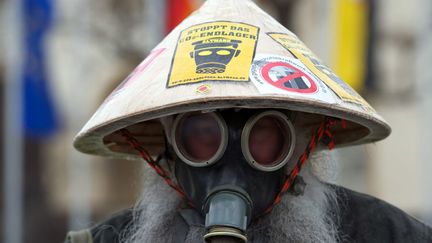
59, 59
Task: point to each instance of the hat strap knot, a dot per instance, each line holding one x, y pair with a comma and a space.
322, 134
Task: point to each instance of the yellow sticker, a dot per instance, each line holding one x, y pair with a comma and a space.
215, 51
306, 56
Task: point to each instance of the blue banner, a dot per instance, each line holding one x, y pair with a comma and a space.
39, 114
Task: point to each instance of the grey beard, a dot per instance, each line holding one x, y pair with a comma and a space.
302, 218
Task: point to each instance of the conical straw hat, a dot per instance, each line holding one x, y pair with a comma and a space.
227, 54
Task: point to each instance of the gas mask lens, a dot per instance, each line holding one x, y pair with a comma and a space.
199, 139
268, 140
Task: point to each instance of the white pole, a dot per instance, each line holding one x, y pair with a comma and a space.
80, 191
424, 101
13, 134
80, 187
155, 14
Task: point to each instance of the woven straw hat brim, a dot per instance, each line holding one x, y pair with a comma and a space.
365, 129
194, 69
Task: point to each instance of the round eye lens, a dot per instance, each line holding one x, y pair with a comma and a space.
269, 141
198, 138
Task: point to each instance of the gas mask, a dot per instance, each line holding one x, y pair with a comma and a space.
231, 165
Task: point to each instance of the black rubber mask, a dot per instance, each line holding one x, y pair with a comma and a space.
231, 172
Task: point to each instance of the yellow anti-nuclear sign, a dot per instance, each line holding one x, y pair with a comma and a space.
305, 55
215, 51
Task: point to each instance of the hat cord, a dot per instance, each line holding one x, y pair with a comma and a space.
322, 134
153, 164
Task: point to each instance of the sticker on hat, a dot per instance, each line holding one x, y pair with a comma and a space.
285, 75
305, 55
215, 51
136, 72
203, 89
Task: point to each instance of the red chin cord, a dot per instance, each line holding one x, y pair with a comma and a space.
322, 134
150, 161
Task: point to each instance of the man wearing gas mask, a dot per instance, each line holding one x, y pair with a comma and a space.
239, 153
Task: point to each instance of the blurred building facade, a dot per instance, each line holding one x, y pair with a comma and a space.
94, 45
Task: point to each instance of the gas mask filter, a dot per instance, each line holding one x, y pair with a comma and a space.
231, 165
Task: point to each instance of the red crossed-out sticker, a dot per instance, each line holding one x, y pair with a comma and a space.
285, 76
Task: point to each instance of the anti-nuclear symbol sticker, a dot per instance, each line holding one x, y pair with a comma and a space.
216, 51
305, 55
287, 77
272, 74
